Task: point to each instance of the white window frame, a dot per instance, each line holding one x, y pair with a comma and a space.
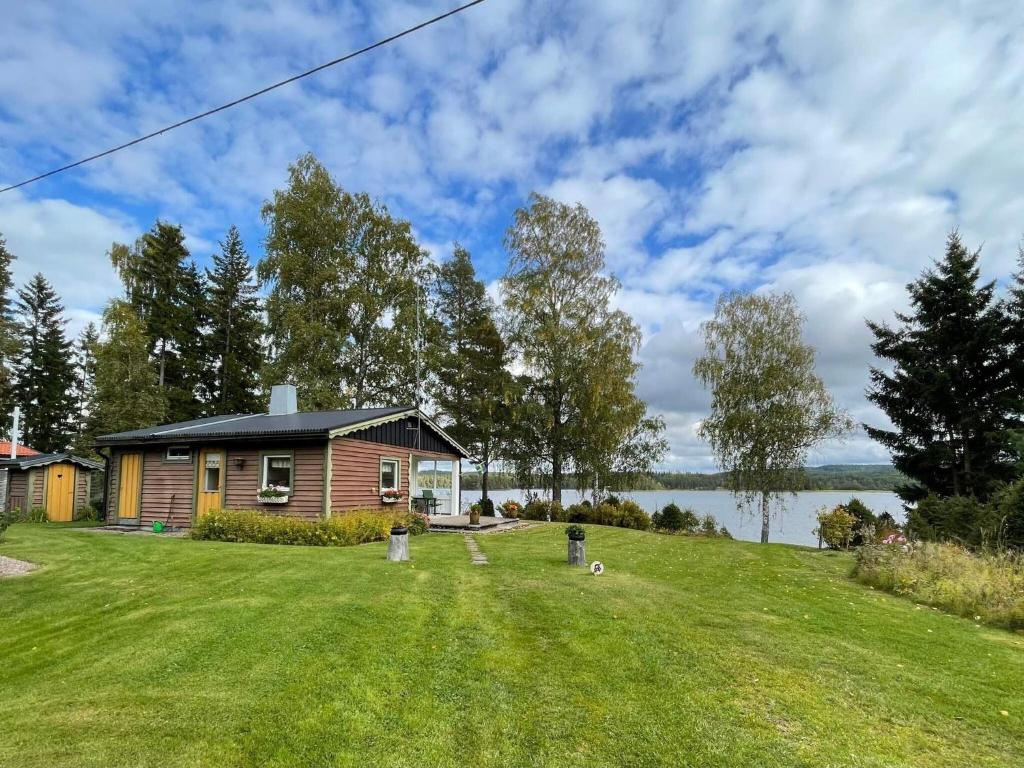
266, 466
398, 474
186, 459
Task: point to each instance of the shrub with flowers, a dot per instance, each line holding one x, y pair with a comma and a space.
511, 508
895, 538
341, 529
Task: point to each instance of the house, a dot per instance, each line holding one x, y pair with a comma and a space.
60, 483
316, 463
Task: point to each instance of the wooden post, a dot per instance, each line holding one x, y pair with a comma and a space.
577, 552
398, 545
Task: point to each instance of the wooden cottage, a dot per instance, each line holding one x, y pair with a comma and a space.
304, 464
57, 482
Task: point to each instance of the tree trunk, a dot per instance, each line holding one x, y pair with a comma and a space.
484, 472
556, 479
765, 517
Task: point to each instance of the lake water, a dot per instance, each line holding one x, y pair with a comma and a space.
794, 525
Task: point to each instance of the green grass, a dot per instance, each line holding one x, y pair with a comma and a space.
142, 651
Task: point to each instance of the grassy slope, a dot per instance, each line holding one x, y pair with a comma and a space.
157, 652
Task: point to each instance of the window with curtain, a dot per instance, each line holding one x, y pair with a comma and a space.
277, 471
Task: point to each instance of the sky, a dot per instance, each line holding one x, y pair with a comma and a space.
824, 149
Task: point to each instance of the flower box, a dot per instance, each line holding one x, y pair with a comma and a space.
271, 499
390, 499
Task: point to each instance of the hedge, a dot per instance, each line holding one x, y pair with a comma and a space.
342, 529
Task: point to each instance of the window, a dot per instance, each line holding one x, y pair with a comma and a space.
211, 473
178, 453
389, 474
277, 472
434, 474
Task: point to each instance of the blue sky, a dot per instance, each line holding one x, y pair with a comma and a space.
820, 148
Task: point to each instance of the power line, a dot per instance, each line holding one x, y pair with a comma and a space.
253, 95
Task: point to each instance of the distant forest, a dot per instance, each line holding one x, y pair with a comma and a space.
831, 477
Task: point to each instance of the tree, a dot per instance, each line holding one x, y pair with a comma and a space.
166, 292
345, 278
949, 393
579, 407
44, 371
470, 384
85, 385
9, 339
768, 407
236, 330
127, 394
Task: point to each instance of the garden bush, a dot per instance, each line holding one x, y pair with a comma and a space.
672, 518
342, 529
987, 587
539, 509
487, 507
835, 527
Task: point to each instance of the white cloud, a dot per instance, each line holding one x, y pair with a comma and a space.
68, 244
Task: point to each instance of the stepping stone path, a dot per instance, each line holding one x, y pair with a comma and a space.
479, 558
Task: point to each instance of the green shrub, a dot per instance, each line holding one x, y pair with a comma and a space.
417, 523
670, 518
340, 530
960, 518
708, 525
5, 522
88, 512
989, 587
835, 527
540, 509
1008, 514
865, 526
36, 515
487, 507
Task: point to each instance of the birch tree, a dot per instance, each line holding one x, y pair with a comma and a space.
768, 406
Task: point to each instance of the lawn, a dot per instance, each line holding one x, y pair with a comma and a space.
143, 651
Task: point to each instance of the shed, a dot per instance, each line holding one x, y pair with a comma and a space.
60, 483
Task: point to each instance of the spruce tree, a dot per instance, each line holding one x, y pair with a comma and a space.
9, 339
235, 340
165, 291
469, 384
44, 372
949, 394
127, 394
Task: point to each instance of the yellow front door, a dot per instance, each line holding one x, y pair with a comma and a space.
60, 492
210, 482
129, 487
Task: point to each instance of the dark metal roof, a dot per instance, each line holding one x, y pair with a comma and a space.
42, 459
241, 426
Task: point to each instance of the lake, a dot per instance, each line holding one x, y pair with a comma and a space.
793, 526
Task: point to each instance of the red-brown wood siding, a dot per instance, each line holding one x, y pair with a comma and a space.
17, 490
307, 497
355, 472
166, 490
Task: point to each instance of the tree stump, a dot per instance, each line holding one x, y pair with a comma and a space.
398, 545
577, 552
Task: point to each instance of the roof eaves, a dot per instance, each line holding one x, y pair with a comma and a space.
367, 423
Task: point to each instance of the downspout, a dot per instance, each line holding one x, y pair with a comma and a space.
106, 482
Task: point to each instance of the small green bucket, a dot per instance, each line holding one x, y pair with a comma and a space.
158, 527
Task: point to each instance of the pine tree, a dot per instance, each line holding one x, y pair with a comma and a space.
9, 339
950, 394
235, 341
44, 372
470, 384
85, 385
1014, 320
127, 394
165, 291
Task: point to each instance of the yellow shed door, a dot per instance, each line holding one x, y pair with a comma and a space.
210, 482
129, 487
60, 492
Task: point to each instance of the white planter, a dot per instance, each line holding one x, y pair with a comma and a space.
272, 499
386, 500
